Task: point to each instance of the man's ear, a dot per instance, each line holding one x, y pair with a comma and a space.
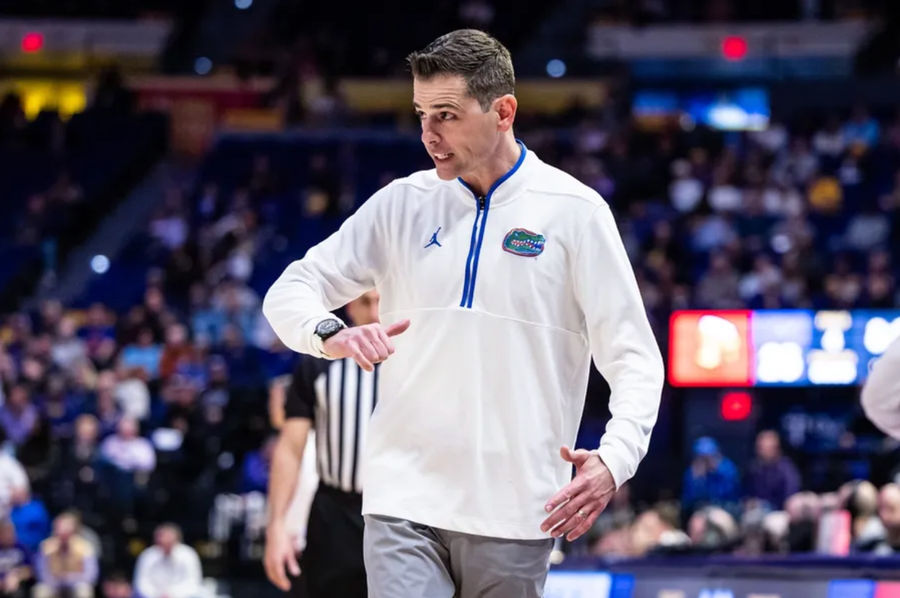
505, 106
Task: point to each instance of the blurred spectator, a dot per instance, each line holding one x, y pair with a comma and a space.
12, 477
843, 286
711, 479
889, 514
76, 476
241, 359
867, 230
653, 531
178, 352
169, 568
829, 141
69, 351
170, 226
98, 329
713, 529
15, 562
127, 451
117, 585
143, 354
31, 519
862, 131
719, 287
772, 477
764, 277
132, 393
18, 415
105, 406
798, 165
256, 468
61, 403
67, 565
861, 500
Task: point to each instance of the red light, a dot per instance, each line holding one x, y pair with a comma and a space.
736, 406
734, 47
32, 42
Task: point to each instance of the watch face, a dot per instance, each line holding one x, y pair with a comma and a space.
328, 328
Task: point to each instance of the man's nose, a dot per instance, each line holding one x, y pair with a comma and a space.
429, 136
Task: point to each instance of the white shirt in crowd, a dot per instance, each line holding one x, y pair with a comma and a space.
129, 454
12, 477
177, 575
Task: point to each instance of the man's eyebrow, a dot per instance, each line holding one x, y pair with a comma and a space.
439, 106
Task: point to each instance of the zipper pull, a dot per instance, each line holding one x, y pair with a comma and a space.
481, 201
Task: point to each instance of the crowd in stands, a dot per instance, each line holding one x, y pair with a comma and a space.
115, 421
763, 511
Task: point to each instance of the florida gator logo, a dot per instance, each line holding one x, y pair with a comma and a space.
521, 241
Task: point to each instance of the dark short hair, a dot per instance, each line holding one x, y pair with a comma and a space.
480, 59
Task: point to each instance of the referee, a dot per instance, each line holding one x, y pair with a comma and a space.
337, 398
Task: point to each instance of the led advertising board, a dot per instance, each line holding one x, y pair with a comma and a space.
796, 347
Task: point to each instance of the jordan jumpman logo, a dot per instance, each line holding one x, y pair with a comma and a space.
434, 239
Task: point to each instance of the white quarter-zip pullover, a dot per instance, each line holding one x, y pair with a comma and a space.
509, 295
881, 392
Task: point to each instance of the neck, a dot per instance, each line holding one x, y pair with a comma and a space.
503, 159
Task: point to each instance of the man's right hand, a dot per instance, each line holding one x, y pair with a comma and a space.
280, 553
367, 345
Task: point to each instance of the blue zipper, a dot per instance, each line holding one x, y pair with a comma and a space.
483, 204
472, 243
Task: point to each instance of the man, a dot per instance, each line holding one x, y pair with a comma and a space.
889, 513
711, 479
67, 564
127, 450
12, 478
117, 585
15, 562
773, 477
528, 281
881, 394
337, 397
169, 568
29, 516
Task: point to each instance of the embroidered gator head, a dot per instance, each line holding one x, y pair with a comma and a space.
520, 241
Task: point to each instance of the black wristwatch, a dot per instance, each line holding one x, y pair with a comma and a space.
328, 328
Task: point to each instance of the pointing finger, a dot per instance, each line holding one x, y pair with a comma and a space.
397, 328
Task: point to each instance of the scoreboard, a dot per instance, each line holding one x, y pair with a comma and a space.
784, 347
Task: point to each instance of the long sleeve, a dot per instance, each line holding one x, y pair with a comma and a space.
189, 583
42, 571
176, 576
340, 268
145, 456
143, 583
88, 574
621, 342
881, 393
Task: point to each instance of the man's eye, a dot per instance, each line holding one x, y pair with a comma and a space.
447, 116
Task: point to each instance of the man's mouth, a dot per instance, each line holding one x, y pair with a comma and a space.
442, 157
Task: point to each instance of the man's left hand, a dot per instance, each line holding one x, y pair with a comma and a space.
575, 508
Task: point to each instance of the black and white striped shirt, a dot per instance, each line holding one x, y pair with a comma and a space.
339, 397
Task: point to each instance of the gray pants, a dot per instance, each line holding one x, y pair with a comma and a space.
409, 560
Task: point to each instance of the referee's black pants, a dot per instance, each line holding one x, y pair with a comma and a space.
332, 563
